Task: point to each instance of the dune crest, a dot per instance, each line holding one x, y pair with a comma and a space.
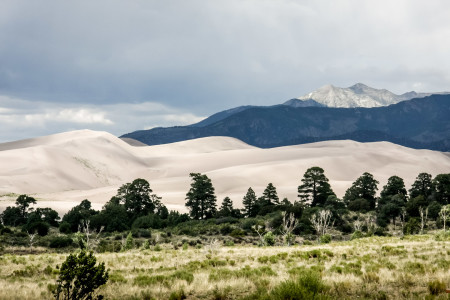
63, 169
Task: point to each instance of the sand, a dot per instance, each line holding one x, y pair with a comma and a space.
63, 169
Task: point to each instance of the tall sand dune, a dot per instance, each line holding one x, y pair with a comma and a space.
63, 169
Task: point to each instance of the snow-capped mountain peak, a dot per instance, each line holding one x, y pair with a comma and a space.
357, 95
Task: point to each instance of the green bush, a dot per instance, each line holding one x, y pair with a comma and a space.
41, 228
356, 235
237, 232
229, 243
412, 226
79, 277
325, 239
5, 230
269, 238
308, 285
440, 236
60, 242
436, 287
129, 243
226, 229
64, 227
178, 295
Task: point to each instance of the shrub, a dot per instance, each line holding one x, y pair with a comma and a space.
128, 242
60, 242
229, 243
41, 228
226, 229
178, 295
5, 230
307, 243
309, 285
145, 233
237, 232
146, 245
356, 235
412, 226
64, 227
440, 236
79, 277
436, 287
48, 270
325, 239
149, 221
269, 238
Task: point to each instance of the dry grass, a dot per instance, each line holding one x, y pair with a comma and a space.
369, 268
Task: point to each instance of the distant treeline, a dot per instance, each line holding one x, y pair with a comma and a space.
135, 206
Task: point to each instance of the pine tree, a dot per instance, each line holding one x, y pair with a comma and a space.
201, 199
23, 202
394, 186
441, 184
270, 195
80, 277
315, 188
365, 187
249, 202
226, 210
138, 199
422, 186
392, 199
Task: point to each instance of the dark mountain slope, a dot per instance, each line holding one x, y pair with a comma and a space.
417, 123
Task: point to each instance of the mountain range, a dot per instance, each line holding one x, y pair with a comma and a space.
326, 114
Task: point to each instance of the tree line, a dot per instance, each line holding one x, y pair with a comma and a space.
136, 206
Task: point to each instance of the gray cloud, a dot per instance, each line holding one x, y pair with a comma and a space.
199, 57
21, 119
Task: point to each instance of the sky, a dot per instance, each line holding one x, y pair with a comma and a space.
121, 66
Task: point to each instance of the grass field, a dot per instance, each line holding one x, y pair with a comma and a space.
415, 267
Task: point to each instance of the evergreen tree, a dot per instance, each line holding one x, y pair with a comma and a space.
414, 204
83, 211
441, 185
365, 187
113, 216
12, 216
270, 195
315, 188
80, 277
201, 199
392, 200
423, 186
249, 202
393, 208
137, 198
23, 202
226, 210
394, 186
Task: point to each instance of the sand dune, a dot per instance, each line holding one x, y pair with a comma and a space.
63, 169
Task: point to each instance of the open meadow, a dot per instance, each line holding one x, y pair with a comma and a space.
412, 267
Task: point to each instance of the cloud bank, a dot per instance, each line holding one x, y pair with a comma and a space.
84, 59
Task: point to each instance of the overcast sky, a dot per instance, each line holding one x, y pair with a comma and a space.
121, 66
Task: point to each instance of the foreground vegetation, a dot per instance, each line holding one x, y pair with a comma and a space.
319, 247
412, 267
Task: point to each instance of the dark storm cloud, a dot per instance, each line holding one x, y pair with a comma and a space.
198, 57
